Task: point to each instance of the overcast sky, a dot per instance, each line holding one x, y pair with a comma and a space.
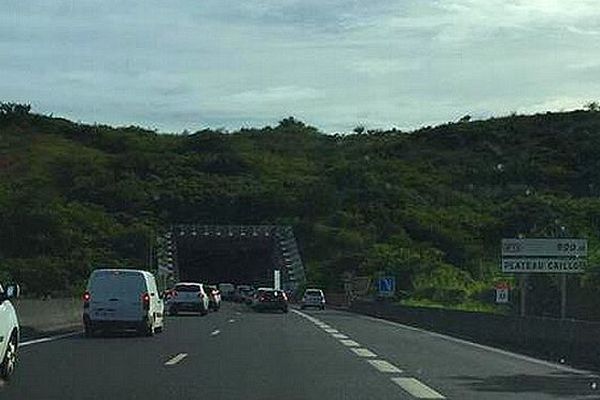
335, 64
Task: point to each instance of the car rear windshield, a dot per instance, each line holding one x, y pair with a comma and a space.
313, 293
270, 294
117, 284
187, 288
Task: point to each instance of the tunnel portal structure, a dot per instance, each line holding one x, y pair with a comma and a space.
238, 254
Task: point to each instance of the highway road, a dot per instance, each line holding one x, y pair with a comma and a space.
239, 354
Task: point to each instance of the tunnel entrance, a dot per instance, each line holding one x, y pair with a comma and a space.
237, 254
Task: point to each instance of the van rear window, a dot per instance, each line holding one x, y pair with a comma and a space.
187, 288
117, 283
313, 293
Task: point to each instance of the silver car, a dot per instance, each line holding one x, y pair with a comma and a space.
313, 298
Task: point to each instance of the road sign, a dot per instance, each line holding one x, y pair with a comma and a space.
277, 279
563, 255
563, 247
386, 286
502, 291
544, 264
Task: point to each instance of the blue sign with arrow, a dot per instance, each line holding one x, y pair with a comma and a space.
386, 286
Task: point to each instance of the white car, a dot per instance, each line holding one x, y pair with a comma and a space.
188, 296
214, 297
122, 299
9, 331
313, 298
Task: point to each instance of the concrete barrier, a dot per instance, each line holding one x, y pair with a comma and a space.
571, 341
38, 317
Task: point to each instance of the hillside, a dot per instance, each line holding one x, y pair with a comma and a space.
430, 206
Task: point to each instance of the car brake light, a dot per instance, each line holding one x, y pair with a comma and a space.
146, 301
86, 299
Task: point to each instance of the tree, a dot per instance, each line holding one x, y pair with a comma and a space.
593, 106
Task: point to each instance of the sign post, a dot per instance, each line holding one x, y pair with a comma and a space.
563, 296
277, 279
559, 256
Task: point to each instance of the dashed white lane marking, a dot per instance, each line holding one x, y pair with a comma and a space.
362, 352
384, 366
484, 347
349, 343
215, 332
238, 313
339, 336
47, 339
231, 320
413, 386
176, 359
417, 389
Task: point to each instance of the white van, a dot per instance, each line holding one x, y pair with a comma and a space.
9, 331
122, 299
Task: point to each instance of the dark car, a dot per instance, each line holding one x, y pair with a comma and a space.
270, 299
243, 293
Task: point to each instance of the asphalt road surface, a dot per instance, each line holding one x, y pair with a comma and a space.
239, 354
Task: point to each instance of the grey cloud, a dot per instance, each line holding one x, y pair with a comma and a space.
338, 63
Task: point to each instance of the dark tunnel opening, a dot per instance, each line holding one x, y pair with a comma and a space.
226, 259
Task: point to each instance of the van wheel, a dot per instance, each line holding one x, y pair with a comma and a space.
10, 359
88, 332
147, 328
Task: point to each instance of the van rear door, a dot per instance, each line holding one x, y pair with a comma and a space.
116, 295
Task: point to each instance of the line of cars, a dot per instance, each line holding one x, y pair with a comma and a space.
265, 298
127, 299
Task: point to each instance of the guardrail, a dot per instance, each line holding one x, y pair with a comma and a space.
37, 317
564, 341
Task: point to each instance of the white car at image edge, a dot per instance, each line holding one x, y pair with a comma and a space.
9, 331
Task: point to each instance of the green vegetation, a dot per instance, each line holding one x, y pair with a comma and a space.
429, 206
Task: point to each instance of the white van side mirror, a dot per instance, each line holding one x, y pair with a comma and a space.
13, 291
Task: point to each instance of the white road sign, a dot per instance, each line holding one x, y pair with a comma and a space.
544, 247
561, 255
502, 295
544, 264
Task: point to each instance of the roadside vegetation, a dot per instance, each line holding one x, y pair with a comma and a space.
429, 206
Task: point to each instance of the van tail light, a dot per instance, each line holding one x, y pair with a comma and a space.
146, 301
86, 299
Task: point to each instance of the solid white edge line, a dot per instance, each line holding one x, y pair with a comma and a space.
176, 359
47, 339
521, 357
